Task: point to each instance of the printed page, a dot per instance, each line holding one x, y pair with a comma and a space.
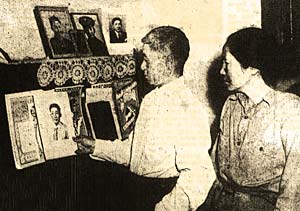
24, 129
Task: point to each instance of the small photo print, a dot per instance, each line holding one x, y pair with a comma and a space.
56, 124
117, 28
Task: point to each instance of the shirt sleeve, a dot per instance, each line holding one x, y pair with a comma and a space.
192, 161
116, 151
288, 199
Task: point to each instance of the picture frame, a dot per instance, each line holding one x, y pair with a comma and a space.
120, 36
56, 31
91, 26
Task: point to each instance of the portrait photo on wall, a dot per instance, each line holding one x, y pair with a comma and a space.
89, 29
56, 30
117, 28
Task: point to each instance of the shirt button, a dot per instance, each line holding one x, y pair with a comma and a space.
261, 149
238, 143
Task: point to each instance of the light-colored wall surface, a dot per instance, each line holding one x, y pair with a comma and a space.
204, 22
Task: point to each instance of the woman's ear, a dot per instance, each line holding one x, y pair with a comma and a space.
253, 71
250, 70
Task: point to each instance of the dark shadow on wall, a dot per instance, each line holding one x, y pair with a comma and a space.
216, 93
287, 77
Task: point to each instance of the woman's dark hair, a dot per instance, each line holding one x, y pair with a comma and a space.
253, 47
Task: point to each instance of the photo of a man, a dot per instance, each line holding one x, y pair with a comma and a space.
97, 46
59, 43
117, 33
59, 129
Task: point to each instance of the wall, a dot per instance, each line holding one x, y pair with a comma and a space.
206, 24
20, 35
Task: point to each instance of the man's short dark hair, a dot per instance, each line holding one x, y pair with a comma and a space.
55, 105
169, 38
116, 19
52, 19
253, 47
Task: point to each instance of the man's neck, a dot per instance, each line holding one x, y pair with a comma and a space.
169, 80
256, 89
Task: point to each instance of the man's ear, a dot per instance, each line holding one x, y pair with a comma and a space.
170, 65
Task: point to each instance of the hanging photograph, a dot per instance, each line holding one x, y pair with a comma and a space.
117, 28
56, 31
89, 28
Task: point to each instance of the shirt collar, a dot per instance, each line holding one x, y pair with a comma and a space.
269, 98
175, 84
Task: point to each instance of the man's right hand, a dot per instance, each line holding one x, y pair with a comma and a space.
86, 144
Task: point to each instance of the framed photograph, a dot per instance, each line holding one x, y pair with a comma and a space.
90, 25
56, 31
117, 28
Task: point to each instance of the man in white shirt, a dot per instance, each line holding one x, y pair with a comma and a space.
171, 137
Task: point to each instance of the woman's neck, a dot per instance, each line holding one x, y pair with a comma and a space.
256, 89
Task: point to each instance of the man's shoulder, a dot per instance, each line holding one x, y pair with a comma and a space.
123, 33
112, 33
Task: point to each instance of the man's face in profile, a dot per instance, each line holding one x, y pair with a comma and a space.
55, 115
117, 25
153, 65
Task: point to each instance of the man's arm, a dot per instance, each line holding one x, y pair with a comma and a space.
116, 151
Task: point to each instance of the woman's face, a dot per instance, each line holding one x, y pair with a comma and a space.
234, 75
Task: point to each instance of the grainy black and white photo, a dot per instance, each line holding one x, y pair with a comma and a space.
91, 25
55, 29
117, 28
147, 105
